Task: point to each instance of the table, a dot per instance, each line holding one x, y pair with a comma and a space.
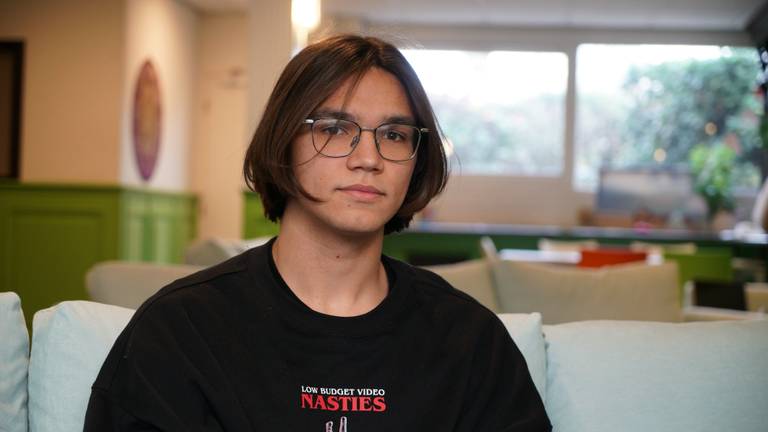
556, 257
429, 243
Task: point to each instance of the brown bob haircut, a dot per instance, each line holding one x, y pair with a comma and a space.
312, 76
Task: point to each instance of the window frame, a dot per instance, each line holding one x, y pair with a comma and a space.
564, 40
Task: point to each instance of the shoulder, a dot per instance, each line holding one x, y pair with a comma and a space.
183, 312
200, 286
212, 292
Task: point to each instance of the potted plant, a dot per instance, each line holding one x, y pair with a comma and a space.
712, 168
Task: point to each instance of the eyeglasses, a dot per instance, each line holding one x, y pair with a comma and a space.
338, 138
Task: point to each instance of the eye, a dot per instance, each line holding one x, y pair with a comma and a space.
333, 130
332, 127
393, 135
396, 133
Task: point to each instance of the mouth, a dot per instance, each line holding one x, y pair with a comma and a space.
362, 192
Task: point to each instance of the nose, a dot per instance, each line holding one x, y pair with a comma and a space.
365, 156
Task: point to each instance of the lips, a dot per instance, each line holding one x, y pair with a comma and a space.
364, 192
363, 188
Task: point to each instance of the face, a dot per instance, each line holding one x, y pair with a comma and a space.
358, 193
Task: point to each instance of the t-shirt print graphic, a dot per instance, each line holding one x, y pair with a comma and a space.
343, 400
342, 425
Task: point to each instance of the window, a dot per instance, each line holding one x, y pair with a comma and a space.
667, 105
501, 111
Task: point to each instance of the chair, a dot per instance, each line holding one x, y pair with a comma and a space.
635, 291
213, 250
488, 249
567, 245
756, 294
473, 277
706, 264
661, 248
129, 284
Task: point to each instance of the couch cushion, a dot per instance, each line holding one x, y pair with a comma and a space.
69, 343
566, 293
14, 361
526, 331
473, 277
646, 376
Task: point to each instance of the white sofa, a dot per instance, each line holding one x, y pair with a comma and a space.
593, 375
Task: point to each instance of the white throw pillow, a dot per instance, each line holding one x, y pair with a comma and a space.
566, 293
14, 361
645, 376
69, 344
526, 331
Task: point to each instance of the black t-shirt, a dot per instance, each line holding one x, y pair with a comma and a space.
231, 348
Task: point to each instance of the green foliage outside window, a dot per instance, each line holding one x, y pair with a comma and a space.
712, 167
659, 111
678, 106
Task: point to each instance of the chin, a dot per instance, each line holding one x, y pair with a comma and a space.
357, 224
359, 228
343, 219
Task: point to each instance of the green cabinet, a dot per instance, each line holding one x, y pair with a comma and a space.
51, 234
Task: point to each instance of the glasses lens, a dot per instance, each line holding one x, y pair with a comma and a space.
397, 142
334, 137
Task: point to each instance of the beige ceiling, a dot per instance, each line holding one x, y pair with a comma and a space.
633, 14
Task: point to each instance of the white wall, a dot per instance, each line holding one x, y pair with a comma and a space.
241, 57
73, 72
270, 50
164, 31
221, 131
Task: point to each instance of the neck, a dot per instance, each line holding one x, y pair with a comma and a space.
333, 273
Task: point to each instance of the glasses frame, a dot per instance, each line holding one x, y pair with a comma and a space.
356, 138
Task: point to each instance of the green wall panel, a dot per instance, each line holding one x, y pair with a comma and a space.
156, 226
255, 224
51, 234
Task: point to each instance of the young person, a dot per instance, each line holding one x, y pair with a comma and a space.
317, 330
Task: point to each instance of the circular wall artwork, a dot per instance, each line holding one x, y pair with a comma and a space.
147, 120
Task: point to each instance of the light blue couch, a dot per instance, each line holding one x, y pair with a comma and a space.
593, 375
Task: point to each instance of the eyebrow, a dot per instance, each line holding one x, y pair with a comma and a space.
343, 115
331, 113
400, 119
